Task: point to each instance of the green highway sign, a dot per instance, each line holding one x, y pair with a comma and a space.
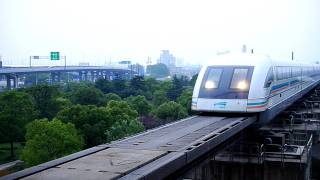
54, 56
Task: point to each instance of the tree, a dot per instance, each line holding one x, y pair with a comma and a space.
125, 120
88, 96
47, 140
63, 103
159, 97
71, 87
140, 104
158, 70
171, 111
176, 89
138, 85
104, 85
152, 84
123, 128
112, 96
16, 110
121, 88
121, 110
193, 80
185, 100
45, 99
91, 121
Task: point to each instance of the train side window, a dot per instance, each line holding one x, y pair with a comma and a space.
269, 78
213, 78
286, 72
239, 79
294, 71
280, 73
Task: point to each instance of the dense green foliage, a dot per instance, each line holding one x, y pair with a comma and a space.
120, 110
159, 97
138, 85
176, 88
87, 96
171, 111
47, 140
112, 96
90, 120
193, 80
124, 119
140, 104
185, 100
123, 128
95, 113
16, 110
45, 99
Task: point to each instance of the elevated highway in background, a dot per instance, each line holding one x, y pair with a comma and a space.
12, 74
40, 69
154, 154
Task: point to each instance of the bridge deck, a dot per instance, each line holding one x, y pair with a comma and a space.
59, 69
153, 154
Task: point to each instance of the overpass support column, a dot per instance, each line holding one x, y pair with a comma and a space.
80, 76
8, 81
110, 76
86, 75
92, 73
104, 74
101, 75
53, 79
58, 76
15, 81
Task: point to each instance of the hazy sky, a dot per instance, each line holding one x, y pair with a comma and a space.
100, 30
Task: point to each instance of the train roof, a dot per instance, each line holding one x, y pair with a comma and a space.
247, 59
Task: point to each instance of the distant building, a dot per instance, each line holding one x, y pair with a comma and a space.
188, 71
125, 62
84, 64
138, 68
168, 59
179, 62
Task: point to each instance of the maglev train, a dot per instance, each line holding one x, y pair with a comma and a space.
250, 83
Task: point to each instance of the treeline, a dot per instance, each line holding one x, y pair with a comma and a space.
57, 120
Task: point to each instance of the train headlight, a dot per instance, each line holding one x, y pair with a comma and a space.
242, 85
210, 85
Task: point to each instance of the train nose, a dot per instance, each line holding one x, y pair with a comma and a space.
220, 105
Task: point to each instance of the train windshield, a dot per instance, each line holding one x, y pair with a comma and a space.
213, 78
239, 79
226, 82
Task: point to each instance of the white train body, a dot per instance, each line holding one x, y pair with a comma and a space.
249, 83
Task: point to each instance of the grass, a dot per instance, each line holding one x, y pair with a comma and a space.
5, 152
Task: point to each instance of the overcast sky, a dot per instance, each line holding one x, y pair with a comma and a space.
100, 30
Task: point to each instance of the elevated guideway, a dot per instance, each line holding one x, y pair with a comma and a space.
153, 154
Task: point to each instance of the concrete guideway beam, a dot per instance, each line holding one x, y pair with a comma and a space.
153, 154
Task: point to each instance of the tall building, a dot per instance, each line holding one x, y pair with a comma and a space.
138, 68
179, 62
167, 59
